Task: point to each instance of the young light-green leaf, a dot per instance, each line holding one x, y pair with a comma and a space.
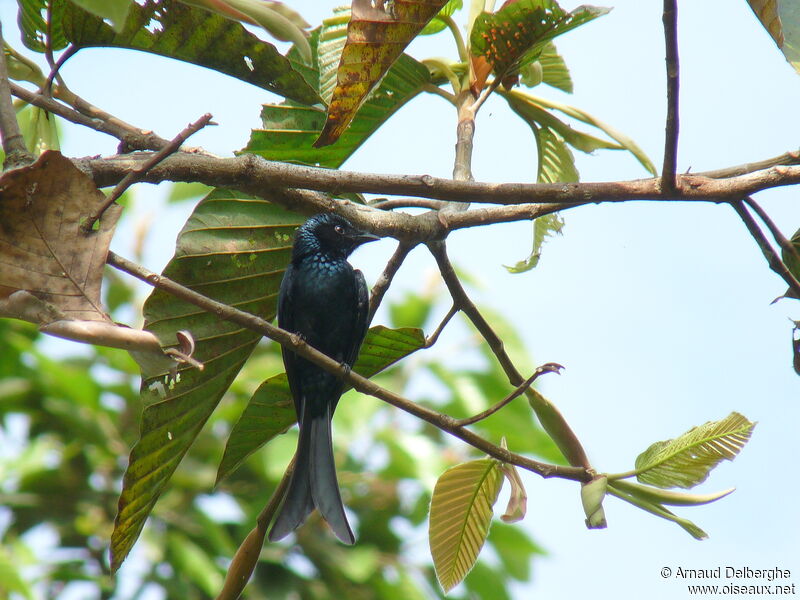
688, 459
461, 512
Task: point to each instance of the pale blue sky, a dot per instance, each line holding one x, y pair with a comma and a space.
660, 312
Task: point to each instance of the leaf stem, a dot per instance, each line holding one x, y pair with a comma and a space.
463, 55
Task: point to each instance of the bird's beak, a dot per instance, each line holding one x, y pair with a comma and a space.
362, 237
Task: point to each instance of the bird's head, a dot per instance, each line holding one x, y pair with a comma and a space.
329, 234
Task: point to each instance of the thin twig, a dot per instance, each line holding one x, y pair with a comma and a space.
551, 419
385, 280
774, 261
787, 158
518, 391
434, 337
130, 136
786, 245
13, 142
138, 174
361, 384
668, 172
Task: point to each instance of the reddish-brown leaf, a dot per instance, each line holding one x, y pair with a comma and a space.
376, 35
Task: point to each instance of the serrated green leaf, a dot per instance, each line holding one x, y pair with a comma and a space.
543, 227
461, 512
688, 459
515, 35
234, 248
289, 129
32, 23
172, 29
271, 409
376, 37
554, 70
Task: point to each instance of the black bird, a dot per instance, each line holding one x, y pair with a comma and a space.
324, 300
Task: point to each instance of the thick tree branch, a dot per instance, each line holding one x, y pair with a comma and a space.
551, 419
13, 142
252, 174
774, 261
670, 20
363, 385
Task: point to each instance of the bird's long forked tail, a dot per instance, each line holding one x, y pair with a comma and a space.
313, 484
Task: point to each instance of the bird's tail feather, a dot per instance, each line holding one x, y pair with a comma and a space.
324, 485
313, 483
298, 502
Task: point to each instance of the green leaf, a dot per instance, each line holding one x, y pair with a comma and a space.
554, 70
792, 262
515, 35
169, 28
659, 510
234, 248
194, 564
11, 580
688, 459
515, 549
659, 496
116, 11
279, 20
271, 409
289, 129
437, 24
544, 227
461, 512
376, 37
623, 140
34, 27
592, 495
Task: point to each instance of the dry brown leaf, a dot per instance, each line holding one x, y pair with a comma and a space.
42, 247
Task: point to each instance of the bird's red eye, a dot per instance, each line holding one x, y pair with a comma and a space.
339, 229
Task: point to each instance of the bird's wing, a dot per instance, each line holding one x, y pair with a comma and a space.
286, 321
360, 320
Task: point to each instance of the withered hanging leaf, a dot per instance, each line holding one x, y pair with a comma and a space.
376, 35
42, 247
